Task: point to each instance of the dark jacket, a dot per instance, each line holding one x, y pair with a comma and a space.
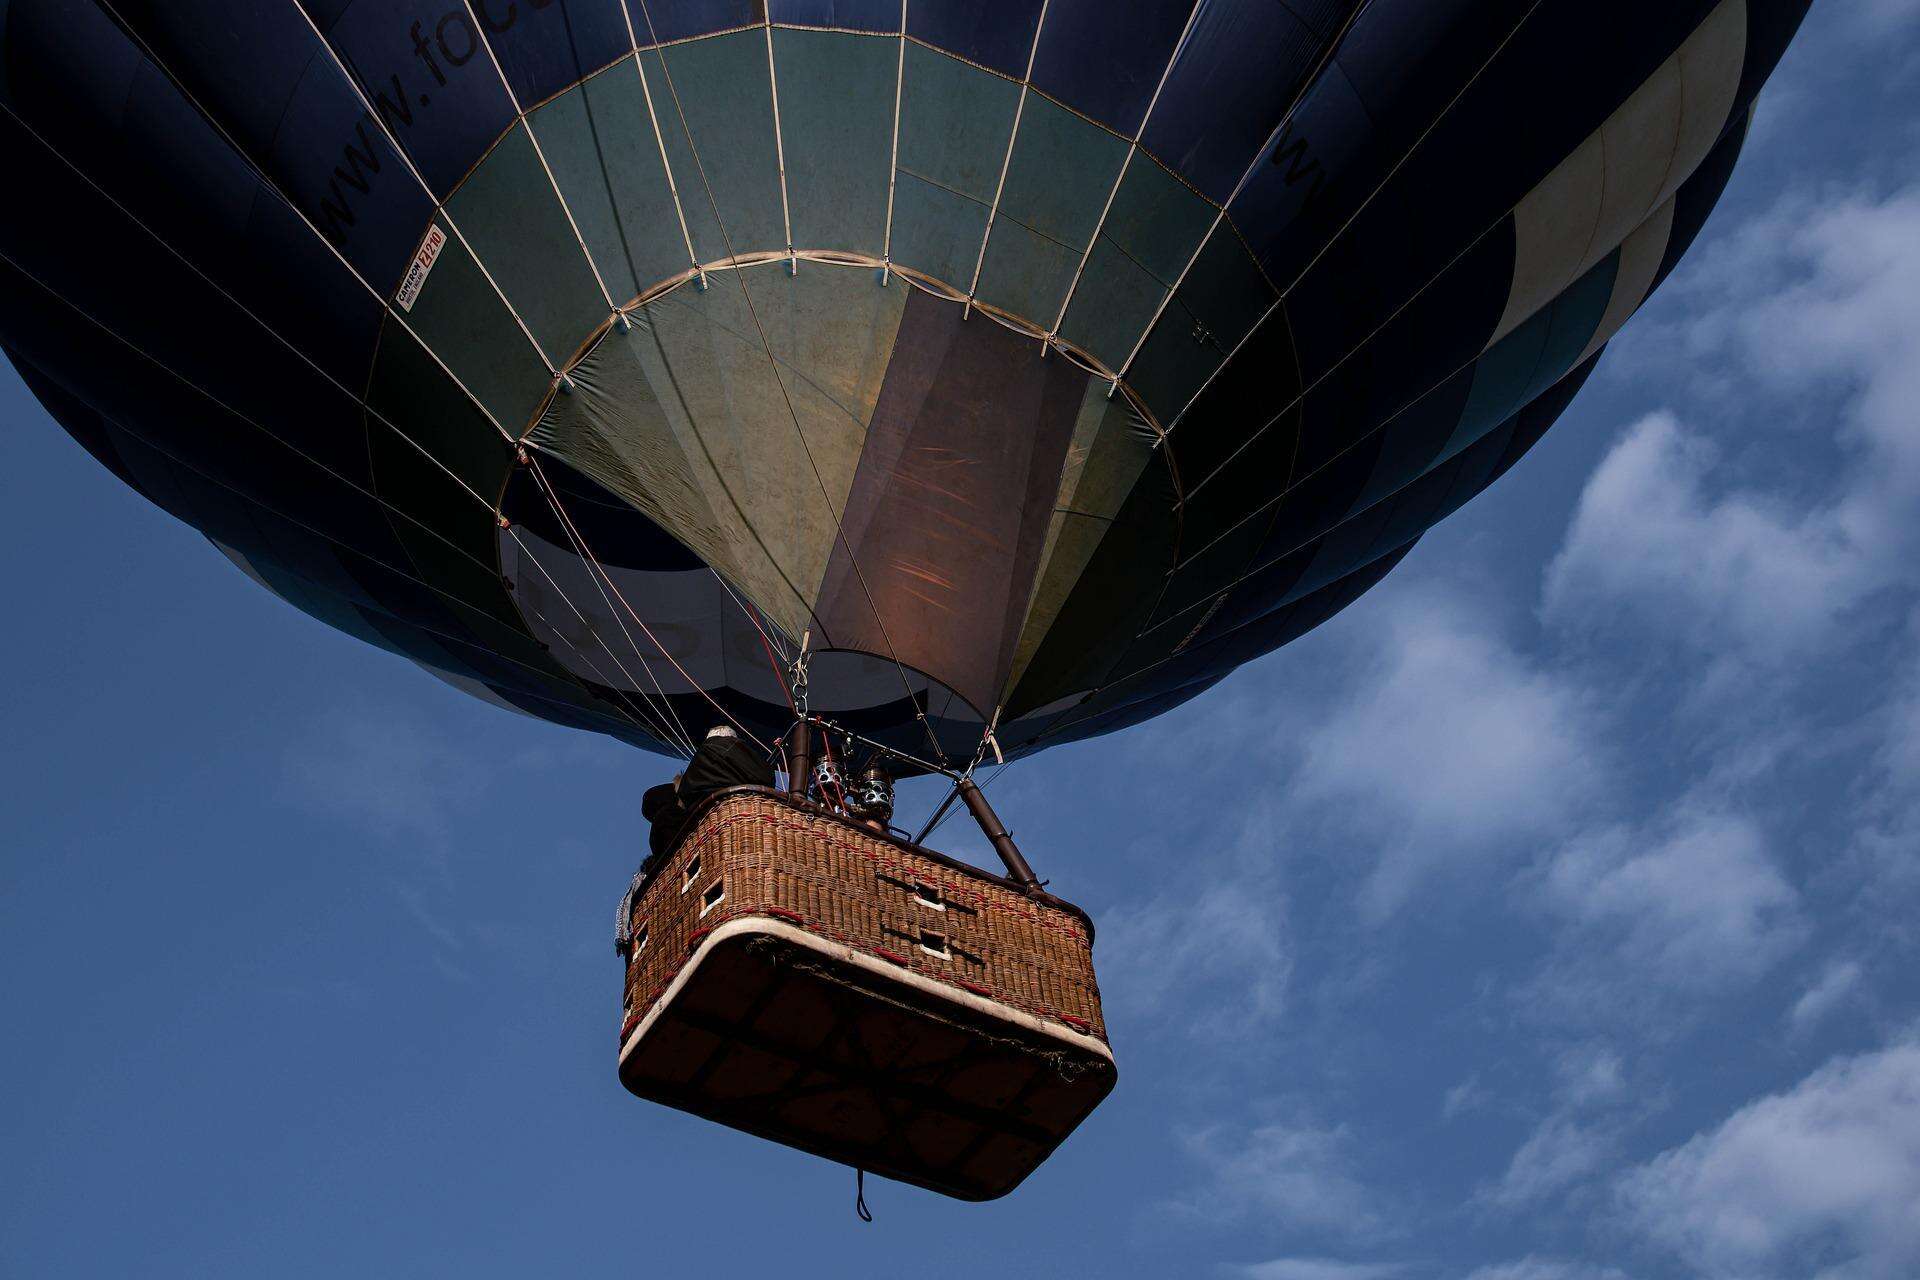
719, 763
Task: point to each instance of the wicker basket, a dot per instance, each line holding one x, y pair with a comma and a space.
816, 983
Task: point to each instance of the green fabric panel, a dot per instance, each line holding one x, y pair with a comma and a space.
599, 142
836, 123
1109, 450
1057, 182
1151, 231
1156, 219
462, 320
683, 418
954, 123
936, 231
1112, 306
1174, 362
516, 224
1025, 272
1060, 172
1221, 299
723, 88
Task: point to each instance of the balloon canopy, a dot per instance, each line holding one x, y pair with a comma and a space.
1038, 361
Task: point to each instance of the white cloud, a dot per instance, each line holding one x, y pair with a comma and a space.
1839, 980
1546, 1269
1211, 953
1812, 305
1295, 1176
383, 772
1695, 906
1822, 1178
1319, 1269
1589, 1076
1558, 1154
1649, 546
1453, 747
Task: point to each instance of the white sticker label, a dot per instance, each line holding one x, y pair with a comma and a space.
423, 260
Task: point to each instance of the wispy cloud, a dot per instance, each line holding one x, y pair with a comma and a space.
1295, 1176
1821, 1179
1835, 985
1318, 1269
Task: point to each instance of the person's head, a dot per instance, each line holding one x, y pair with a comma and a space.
720, 731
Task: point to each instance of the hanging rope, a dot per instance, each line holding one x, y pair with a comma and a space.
860, 1195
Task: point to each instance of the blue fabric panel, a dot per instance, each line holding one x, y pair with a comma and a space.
1156, 219
664, 20
546, 45
1103, 58
115, 117
1305, 167
1218, 303
836, 122
847, 15
1239, 69
723, 88
992, 33
79, 319
421, 64
293, 113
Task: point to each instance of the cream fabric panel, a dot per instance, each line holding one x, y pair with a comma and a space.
1640, 257
1618, 178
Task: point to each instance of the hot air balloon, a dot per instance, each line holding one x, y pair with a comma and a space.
942, 378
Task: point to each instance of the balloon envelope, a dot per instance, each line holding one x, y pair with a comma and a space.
1035, 362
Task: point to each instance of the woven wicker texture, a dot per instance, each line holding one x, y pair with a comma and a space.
757, 853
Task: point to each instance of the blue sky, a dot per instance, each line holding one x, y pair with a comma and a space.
1560, 924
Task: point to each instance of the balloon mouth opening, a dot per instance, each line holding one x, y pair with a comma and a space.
667, 642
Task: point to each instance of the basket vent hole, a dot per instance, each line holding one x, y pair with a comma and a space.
693, 873
934, 944
711, 898
929, 896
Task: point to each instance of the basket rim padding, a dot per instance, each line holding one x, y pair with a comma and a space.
768, 925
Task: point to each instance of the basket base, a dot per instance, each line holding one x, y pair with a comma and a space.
785, 1035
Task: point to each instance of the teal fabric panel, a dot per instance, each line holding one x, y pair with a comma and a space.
515, 223
1151, 231
723, 87
1521, 366
955, 121
1222, 297
1156, 219
1225, 290
1025, 272
1112, 305
462, 320
1060, 172
836, 122
599, 141
1058, 178
937, 231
